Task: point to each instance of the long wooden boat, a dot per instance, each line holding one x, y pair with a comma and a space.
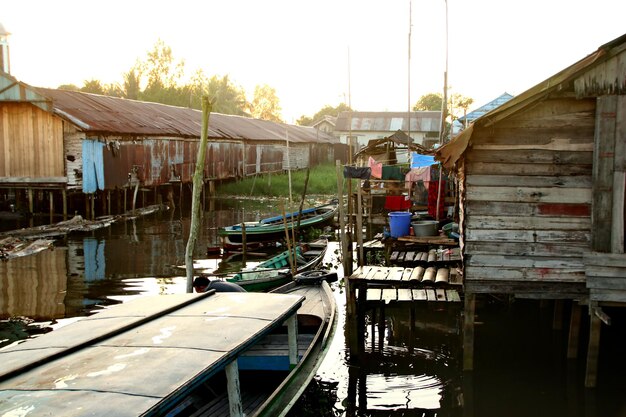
270, 386
272, 229
276, 271
185, 354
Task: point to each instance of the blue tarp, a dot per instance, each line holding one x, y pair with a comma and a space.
418, 160
93, 166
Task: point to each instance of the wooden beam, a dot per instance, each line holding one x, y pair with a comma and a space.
234, 392
603, 169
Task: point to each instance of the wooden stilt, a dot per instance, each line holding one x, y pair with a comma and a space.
92, 197
593, 350
557, 319
359, 227
574, 331
51, 205
31, 206
87, 210
468, 332
64, 197
234, 391
381, 329
373, 328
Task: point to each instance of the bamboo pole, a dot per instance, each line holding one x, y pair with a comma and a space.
197, 188
291, 259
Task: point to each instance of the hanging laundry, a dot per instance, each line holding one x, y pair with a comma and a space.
363, 173
376, 167
397, 202
392, 172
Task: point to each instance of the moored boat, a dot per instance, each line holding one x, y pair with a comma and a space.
276, 271
272, 229
142, 357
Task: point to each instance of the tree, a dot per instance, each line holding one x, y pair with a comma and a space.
132, 83
92, 86
265, 104
163, 74
227, 97
459, 102
327, 110
429, 102
68, 87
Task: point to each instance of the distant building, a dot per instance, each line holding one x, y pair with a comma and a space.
325, 124
4, 50
365, 126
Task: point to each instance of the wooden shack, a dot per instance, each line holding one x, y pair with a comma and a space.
74, 148
542, 195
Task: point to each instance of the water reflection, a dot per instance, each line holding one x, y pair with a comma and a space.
411, 364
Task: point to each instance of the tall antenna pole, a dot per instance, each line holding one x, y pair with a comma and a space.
444, 111
350, 112
408, 145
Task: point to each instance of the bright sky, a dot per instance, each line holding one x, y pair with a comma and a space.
315, 52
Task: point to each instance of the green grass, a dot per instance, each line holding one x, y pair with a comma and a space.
322, 181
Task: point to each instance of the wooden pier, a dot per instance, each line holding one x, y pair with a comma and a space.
371, 288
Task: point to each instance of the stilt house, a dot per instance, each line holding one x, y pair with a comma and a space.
68, 146
541, 183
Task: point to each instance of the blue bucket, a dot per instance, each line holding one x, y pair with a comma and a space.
399, 223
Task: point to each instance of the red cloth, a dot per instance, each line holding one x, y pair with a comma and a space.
432, 198
397, 202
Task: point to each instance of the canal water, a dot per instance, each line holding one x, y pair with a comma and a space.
520, 363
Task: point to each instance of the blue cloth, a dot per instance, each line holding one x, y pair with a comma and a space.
418, 161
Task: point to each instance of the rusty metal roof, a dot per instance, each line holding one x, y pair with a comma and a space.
106, 115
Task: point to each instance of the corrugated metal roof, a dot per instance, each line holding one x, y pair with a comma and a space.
421, 121
117, 116
475, 114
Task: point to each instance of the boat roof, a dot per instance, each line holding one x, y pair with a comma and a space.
139, 356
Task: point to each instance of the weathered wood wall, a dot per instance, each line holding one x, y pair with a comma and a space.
527, 198
31, 145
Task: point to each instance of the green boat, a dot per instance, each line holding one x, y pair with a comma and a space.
276, 271
272, 229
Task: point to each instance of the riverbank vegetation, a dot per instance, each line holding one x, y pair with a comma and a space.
322, 181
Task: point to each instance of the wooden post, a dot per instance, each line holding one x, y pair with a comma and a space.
468, 332
342, 222
30, 201
574, 331
109, 202
135, 195
51, 205
557, 319
244, 241
292, 337
64, 193
234, 391
381, 328
198, 181
593, 350
359, 227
